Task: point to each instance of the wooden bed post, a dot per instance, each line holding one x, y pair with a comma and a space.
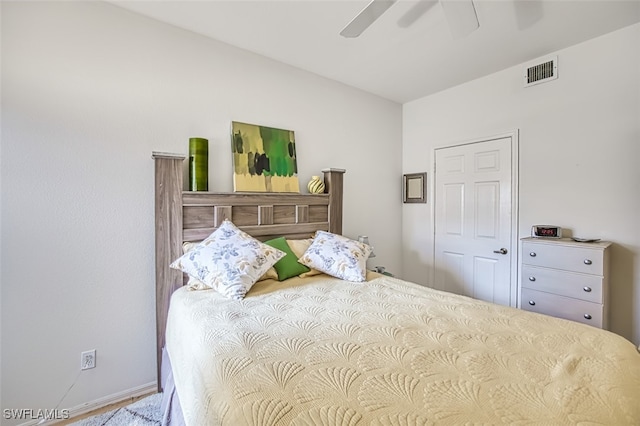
168, 218
333, 180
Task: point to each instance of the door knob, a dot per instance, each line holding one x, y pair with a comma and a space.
501, 251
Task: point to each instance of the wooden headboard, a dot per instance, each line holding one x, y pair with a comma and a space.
182, 216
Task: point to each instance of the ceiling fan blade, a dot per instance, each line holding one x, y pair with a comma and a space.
417, 10
366, 17
528, 13
461, 16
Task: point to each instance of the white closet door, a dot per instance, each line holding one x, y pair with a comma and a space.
473, 220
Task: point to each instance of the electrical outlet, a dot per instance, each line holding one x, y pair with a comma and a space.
88, 359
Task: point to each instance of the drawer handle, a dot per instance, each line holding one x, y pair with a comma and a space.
587, 316
587, 262
532, 278
532, 254
587, 289
532, 303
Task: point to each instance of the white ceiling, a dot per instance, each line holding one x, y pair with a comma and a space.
409, 51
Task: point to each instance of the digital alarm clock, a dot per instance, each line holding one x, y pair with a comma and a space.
546, 231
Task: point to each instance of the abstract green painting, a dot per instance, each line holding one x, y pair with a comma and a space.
264, 159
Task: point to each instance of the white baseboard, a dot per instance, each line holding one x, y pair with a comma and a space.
86, 407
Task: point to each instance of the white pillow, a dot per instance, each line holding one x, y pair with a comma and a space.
229, 261
195, 284
337, 256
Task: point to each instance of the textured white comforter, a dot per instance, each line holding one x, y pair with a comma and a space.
320, 351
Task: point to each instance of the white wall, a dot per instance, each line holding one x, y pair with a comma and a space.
579, 155
0, 216
89, 91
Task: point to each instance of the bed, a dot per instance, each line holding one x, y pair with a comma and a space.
318, 350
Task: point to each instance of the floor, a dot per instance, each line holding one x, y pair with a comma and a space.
109, 407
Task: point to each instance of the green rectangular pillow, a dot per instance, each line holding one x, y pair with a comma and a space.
288, 266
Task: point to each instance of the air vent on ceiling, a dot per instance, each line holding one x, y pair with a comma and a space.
541, 71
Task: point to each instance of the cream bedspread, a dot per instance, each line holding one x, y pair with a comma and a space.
320, 351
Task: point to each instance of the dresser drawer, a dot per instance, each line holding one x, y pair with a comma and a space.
568, 258
562, 307
578, 286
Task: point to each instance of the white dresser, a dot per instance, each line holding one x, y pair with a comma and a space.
566, 279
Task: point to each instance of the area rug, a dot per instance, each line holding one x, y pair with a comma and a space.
145, 412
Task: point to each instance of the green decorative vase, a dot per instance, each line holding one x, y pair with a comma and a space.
198, 164
315, 185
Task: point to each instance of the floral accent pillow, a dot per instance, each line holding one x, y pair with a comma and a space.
196, 284
337, 256
229, 261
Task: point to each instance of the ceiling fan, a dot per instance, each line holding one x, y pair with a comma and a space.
460, 14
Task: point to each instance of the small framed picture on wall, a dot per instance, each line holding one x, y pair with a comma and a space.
414, 188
